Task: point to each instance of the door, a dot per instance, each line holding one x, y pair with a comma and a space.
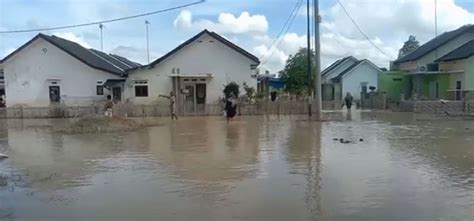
54, 94
117, 94
200, 98
433, 89
458, 90
189, 101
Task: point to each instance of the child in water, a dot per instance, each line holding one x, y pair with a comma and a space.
109, 104
172, 99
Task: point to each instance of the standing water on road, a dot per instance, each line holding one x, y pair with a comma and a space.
389, 166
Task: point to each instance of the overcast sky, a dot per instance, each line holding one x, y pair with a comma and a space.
252, 24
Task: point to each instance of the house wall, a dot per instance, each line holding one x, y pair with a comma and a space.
336, 71
27, 74
457, 65
407, 66
351, 82
469, 75
423, 85
206, 55
394, 84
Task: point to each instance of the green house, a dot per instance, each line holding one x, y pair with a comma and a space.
430, 74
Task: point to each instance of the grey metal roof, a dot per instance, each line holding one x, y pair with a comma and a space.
435, 43
464, 51
93, 58
336, 64
348, 69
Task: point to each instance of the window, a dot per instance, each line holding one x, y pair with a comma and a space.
100, 90
141, 90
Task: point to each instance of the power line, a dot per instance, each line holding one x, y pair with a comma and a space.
360, 30
104, 21
292, 18
283, 27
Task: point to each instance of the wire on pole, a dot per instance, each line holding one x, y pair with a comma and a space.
105, 21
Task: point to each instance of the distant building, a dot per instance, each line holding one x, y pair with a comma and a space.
48, 70
349, 75
2, 83
196, 71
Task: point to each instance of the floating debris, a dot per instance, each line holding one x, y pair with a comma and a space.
361, 139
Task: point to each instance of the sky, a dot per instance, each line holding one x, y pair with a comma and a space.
251, 24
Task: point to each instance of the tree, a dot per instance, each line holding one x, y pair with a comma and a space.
295, 73
231, 88
249, 92
409, 46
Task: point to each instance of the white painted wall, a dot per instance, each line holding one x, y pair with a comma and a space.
336, 71
204, 56
27, 74
351, 81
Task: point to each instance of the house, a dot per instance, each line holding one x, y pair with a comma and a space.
2, 83
427, 79
459, 66
349, 75
49, 69
196, 71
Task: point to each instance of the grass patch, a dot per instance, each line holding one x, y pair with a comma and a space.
103, 124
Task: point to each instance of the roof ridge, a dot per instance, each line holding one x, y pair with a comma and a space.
92, 51
215, 36
111, 55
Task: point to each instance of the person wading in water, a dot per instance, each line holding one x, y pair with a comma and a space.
230, 107
348, 101
109, 104
172, 99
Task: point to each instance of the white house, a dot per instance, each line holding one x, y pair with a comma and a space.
49, 69
196, 71
2, 82
349, 75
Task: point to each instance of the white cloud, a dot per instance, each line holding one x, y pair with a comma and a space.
226, 23
274, 58
73, 37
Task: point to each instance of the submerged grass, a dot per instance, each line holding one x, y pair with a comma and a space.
103, 124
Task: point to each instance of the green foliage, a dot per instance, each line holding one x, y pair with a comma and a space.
231, 88
295, 73
409, 46
249, 91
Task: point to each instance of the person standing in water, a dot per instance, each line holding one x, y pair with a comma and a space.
109, 104
348, 101
230, 107
172, 99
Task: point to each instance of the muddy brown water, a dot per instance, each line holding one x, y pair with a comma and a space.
408, 167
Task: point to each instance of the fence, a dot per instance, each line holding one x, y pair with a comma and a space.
450, 107
373, 100
279, 107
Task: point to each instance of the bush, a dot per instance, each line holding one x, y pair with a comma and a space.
231, 88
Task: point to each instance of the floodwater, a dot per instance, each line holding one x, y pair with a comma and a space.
406, 167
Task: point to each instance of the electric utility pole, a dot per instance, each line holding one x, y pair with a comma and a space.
147, 42
317, 62
308, 51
